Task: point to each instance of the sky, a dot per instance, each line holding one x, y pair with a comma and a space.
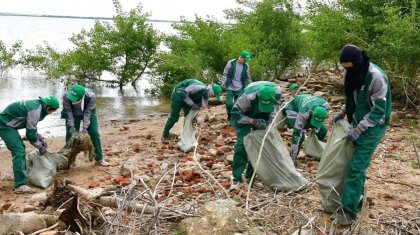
160, 9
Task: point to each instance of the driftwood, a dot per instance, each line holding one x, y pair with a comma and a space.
89, 195
131, 206
73, 218
45, 229
96, 195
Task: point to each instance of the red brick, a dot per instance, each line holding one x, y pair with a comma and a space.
93, 184
136, 148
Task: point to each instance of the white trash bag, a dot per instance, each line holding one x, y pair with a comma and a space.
188, 136
42, 169
313, 146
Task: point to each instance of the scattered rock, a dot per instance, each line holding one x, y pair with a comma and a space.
319, 93
136, 148
28, 222
213, 152
122, 180
5, 176
40, 197
218, 218
187, 175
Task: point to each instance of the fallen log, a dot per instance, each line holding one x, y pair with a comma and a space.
25, 222
96, 196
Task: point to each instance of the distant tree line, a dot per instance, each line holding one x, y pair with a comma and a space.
279, 35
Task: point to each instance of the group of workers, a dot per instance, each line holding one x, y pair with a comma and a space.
253, 105
249, 105
79, 103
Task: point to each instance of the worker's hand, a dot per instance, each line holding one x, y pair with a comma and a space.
260, 123
40, 138
195, 107
294, 152
42, 150
84, 131
354, 134
72, 130
336, 118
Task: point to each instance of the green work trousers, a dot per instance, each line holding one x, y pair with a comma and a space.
240, 157
320, 134
16, 146
176, 106
93, 131
364, 147
231, 97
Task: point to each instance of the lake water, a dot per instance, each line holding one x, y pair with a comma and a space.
112, 103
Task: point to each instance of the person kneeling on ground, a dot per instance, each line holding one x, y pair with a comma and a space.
19, 115
304, 112
79, 103
189, 94
255, 109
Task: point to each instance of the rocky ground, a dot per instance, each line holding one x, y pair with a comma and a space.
178, 183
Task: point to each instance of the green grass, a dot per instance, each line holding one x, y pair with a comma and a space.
415, 165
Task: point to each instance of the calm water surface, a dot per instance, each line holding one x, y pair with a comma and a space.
112, 103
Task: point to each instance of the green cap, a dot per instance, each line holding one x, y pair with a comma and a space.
51, 101
246, 56
293, 87
266, 97
217, 90
318, 116
76, 92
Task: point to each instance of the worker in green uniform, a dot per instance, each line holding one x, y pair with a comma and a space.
19, 115
255, 108
236, 76
189, 94
305, 112
79, 103
368, 109
293, 88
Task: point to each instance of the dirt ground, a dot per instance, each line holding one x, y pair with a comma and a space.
393, 179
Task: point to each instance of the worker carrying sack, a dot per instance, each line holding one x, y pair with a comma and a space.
313, 146
188, 141
275, 167
334, 166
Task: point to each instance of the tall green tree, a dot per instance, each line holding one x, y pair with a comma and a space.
274, 32
125, 48
397, 49
198, 50
131, 44
327, 29
7, 56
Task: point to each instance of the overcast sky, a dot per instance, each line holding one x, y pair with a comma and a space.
160, 9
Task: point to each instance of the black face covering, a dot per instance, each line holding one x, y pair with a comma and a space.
355, 76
